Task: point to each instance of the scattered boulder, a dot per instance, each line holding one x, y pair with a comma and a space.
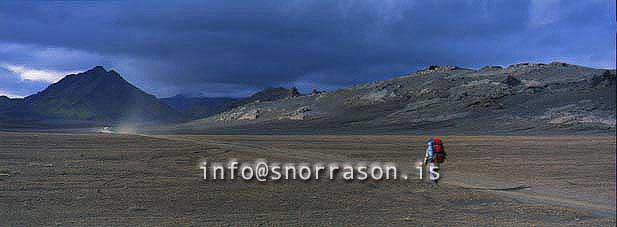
491, 67
442, 68
303, 109
302, 113
376, 96
299, 116
576, 115
316, 92
511, 81
556, 63
533, 84
250, 115
293, 92
525, 65
605, 79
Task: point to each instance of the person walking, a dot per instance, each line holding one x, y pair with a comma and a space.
434, 156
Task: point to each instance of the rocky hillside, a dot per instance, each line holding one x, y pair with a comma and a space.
556, 97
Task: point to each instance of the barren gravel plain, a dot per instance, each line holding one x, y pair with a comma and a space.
55, 179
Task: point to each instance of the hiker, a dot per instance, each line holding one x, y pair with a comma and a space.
434, 156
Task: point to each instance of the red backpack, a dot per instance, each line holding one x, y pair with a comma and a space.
439, 153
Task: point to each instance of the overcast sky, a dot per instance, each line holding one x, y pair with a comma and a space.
234, 48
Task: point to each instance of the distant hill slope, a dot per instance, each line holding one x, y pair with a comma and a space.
14, 110
185, 103
196, 107
96, 95
556, 97
268, 94
201, 107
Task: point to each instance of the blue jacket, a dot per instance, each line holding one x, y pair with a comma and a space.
428, 156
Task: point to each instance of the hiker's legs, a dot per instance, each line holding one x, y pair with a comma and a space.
434, 172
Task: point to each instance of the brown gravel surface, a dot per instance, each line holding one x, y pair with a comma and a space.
100, 179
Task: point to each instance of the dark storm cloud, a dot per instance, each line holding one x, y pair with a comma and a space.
236, 47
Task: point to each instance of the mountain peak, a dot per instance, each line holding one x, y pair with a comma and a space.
99, 95
97, 69
100, 71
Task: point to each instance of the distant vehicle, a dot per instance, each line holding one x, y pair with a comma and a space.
106, 130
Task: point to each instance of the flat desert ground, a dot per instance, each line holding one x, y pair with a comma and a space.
111, 179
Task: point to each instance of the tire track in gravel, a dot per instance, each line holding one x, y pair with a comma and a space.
531, 194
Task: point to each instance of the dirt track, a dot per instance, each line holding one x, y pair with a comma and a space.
95, 179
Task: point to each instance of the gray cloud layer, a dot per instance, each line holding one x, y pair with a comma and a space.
232, 48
